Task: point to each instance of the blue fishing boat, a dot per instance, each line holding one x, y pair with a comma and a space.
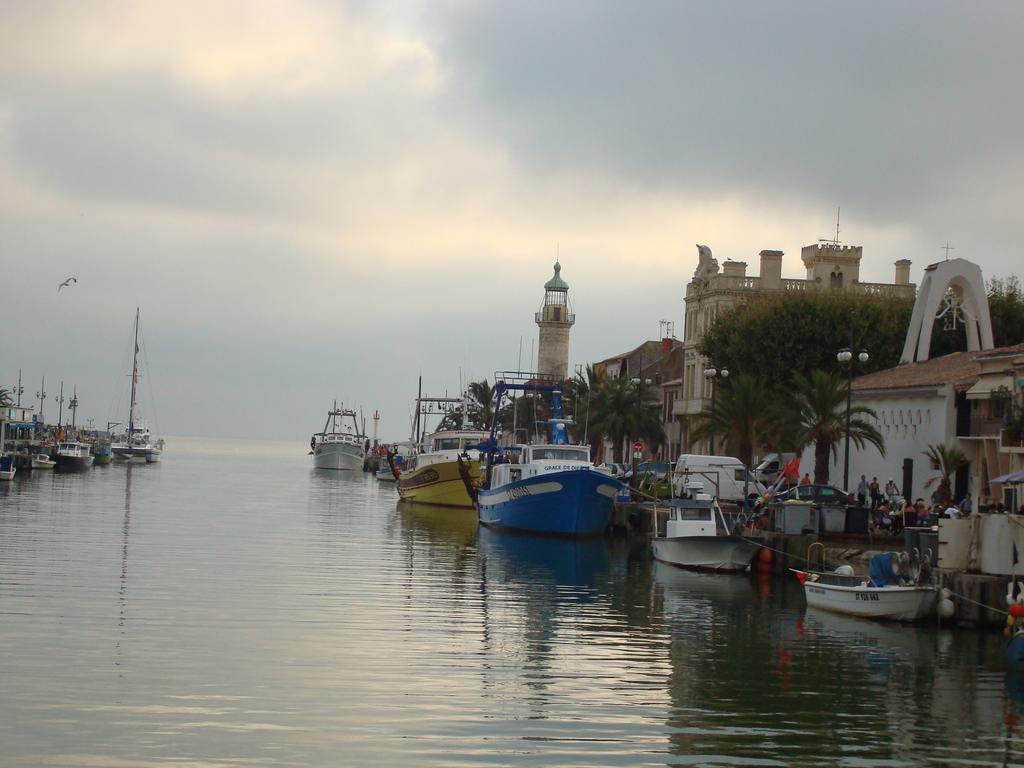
550, 488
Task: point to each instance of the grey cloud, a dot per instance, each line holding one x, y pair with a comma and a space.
884, 106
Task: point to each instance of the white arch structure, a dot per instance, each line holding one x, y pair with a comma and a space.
966, 281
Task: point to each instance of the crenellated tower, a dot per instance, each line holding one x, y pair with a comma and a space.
554, 319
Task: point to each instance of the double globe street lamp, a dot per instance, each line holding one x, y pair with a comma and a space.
711, 373
846, 355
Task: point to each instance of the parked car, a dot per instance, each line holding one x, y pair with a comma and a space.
824, 495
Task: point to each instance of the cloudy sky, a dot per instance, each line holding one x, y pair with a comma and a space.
319, 200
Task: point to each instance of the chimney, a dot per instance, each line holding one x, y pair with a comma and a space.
903, 272
734, 268
666, 346
771, 270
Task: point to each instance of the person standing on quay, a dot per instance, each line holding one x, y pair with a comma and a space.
876, 493
862, 490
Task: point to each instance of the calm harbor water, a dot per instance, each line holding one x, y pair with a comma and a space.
233, 607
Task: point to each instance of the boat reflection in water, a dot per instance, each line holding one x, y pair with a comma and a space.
437, 524
514, 556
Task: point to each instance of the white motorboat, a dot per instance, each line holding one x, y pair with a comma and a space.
42, 461
136, 444
697, 536
7, 468
893, 591
337, 446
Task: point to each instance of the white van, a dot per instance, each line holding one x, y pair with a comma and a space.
770, 467
724, 473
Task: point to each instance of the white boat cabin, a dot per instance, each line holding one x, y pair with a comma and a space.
520, 462
448, 445
339, 438
73, 449
695, 515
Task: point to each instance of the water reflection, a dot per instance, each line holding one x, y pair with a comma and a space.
509, 556
305, 618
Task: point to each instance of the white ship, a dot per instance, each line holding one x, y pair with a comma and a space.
338, 447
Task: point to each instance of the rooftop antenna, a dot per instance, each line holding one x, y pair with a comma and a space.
947, 248
836, 240
667, 329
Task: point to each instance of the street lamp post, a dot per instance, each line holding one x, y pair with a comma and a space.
711, 373
845, 355
41, 394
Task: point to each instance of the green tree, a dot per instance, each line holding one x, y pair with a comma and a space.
1006, 306
780, 334
819, 407
744, 414
482, 404
946, 460
618, 410
577, 396
5, 398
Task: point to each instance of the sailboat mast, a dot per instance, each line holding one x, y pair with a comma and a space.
135, 379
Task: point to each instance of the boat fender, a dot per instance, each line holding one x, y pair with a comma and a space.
845, 570
946, 608
945, 594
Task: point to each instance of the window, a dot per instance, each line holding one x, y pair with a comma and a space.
560, 454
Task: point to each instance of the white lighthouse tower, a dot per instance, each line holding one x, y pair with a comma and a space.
554, 319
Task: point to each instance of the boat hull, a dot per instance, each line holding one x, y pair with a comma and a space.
136, 453
439, 484
338, 456
72, 463
570, 503
884, 603
722, 554
385, 475
1014, 649
42, 463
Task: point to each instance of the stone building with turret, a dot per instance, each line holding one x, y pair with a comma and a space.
829, 267
554, 319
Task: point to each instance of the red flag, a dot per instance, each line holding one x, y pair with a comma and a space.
792, 470
135, 376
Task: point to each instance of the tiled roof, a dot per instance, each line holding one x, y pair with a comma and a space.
959, 369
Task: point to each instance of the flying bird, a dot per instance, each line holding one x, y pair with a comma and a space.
66, 283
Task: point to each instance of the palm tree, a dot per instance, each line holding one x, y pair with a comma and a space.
820, 405
482, 406
5, 398
744, 414
577, 395
618, 410
946, 460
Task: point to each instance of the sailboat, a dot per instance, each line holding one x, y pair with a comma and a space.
136, 444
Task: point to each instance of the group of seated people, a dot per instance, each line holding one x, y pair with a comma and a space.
894, 516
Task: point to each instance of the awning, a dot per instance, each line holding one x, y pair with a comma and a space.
1012, 478
985, 386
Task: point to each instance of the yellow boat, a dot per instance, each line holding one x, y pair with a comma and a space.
433, 476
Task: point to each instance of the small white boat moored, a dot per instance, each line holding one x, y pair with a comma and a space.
698, 537
42, 461
7, 468
893, 592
